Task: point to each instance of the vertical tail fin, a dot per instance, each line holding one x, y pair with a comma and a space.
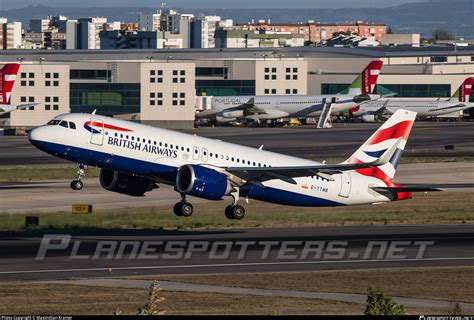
366, 81
7, 80
394, 131
464, 91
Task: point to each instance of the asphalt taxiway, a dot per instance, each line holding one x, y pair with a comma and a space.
30, 197
195, 252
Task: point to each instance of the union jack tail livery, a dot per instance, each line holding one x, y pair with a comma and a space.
366, 81
393, 133
7, 80
464, 91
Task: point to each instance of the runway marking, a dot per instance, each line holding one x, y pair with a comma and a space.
219, 265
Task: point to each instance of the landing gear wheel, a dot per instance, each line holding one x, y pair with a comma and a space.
183, 209
228, 214
76, 185
177, 209
235, 212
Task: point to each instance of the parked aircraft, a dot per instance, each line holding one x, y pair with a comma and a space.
268, 107
379, 110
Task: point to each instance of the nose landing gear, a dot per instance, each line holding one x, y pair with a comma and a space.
77, 184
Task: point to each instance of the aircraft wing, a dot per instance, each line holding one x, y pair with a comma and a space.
247, 107
325, 171
26, 105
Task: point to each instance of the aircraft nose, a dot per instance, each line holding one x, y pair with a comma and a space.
36, 135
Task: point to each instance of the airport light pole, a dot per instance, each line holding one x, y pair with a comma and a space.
20, 59
149, 58
168, 58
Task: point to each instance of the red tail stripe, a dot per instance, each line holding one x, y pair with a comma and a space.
399, 130
105, 125
379, 174
7, 86
368, 80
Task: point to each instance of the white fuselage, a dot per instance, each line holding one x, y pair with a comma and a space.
424, 108
158, 153
281, 106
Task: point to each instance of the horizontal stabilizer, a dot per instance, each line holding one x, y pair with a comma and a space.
413, 188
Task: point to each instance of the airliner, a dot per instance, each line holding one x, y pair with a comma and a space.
7, 79
268, 107
377, 110
135, 158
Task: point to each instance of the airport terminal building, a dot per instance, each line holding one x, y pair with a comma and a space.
164, 87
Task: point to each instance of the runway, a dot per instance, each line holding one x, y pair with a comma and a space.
230, 251
30, 197
427, 139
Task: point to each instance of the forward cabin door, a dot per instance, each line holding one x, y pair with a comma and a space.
97, 131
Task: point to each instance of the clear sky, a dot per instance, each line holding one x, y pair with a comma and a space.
14, 4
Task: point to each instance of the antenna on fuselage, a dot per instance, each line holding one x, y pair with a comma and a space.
93, 112
261, 147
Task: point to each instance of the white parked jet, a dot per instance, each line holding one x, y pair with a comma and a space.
377, 110
267, 107
134, 158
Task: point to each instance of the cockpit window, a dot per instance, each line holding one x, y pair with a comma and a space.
54, 122
64, 124
72, 125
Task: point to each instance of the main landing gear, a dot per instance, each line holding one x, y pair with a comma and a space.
81, 172
183, 208
233, 211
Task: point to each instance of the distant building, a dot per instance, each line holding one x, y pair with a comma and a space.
237, 38
57, 23
132, 26
50, 39
150, 22
320, 32
88, 32
123, 39
55, 40
71, 34
185, 24
10, 34
400, 39
203, 32
352, 41
162, 20
39, 25
168, 40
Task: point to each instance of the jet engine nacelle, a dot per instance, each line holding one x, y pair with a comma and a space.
369, 117
270, 114
125, 183
232, 113
202, 182
220, 119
